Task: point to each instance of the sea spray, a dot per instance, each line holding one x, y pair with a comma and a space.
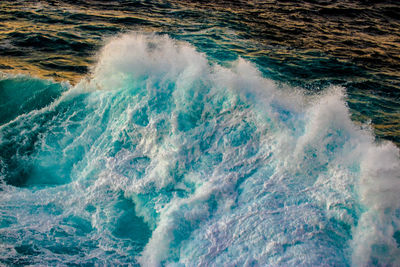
160, 157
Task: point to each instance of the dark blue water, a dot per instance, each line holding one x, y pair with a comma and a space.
187, 134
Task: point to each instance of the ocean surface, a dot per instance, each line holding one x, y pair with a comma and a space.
184, 133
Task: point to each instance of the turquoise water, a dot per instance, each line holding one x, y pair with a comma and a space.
308, 43
161, 157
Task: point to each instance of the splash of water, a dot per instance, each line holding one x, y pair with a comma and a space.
160, 157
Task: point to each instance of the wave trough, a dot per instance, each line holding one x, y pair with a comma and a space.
162, 158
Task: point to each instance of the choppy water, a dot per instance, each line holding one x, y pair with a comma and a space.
169, 149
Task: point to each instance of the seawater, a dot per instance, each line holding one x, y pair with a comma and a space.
311, 44
160, 157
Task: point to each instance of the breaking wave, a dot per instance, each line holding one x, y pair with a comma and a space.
160, 158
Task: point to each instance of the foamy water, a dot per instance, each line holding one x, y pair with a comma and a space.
160, 157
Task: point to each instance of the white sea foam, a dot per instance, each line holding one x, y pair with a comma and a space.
223, 166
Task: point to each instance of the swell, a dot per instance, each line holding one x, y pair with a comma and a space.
36, 94
162, 157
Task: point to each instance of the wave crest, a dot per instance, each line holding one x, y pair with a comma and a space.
213, 165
